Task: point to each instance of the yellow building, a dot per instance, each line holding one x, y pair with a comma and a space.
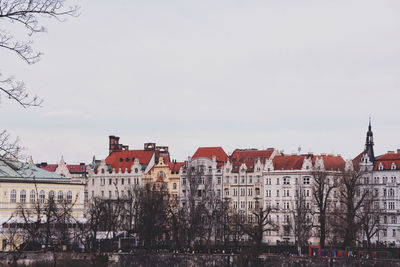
165, 172
24, 186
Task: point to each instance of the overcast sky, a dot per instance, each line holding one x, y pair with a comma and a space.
236, 74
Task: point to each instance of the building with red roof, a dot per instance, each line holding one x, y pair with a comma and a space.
78, 172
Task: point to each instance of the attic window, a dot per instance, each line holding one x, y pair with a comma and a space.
127, 159
393, 167
121, 160
381, 166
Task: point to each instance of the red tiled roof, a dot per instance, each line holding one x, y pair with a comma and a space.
114, 159
209, 152
387, 160
357, 160
288, 162
175, 166
331, 162
50, 167
249, 156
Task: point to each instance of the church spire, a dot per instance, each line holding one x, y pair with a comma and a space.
369, 143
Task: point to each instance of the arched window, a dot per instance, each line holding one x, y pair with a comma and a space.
60, 196
22, 196
69, 197
393, 167
32, 196
51, 194
42, 196
13, 198
381, 166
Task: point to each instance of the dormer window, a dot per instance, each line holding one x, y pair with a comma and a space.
393, 167
380, 166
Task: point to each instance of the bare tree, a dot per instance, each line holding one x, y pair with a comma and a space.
302, 223
30, 15
322, 188
371, 215
9, 149
257, 226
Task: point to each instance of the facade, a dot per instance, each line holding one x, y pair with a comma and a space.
243, 179
123, 169
25, 184
285, 178
201, 176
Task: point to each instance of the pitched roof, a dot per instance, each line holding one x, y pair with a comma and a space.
386, 160
175, 166
20, 170
72, 168
125, 159
249, 157
209, 152
288, 162
331, 162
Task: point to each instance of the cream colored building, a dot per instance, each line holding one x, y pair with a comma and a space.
25, 184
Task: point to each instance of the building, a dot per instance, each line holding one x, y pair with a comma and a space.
24, 184
77, 172
286, 179
381, 175
123, 169
242, 179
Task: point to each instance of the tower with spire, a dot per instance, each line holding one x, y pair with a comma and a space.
369, 143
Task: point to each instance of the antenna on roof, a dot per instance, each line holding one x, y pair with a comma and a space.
299, 149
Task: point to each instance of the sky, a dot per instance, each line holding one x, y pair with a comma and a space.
237, 74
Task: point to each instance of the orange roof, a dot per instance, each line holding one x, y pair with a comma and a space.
125, 159
209, 152
175, 166
331, 162
249, 157
288, 162
387, 160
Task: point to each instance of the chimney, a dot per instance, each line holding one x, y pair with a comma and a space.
398, 151
390, 152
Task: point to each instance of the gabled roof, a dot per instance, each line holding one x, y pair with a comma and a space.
10, 169
125, 159
249, 157
288, 162
72, 168
209, 152
386, 160
175, 166
331, 162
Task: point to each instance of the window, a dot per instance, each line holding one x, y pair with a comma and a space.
286, 205
235, 179
226, 192
122, 181
109, 194
257, 191
242, 179
51, 194
184, 181
267, 180
32, 196
250, 204
258, 178
219, 192
393, 167
235, 205
242, 204
102, 193
218, 180
394, 219
250, 192
235, 192
22, 196
227, 179
391, 205
277, 193
110, 181
116, 181
306, 180
393, 232
242, 191
268, 193
250, 179
69, 197
60, 196
129, 180
286, 192
174, 186
277, 180
376, 180
391, 192
380, 166
286, 180
42, 196
92, 181
102, 181
393, 179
